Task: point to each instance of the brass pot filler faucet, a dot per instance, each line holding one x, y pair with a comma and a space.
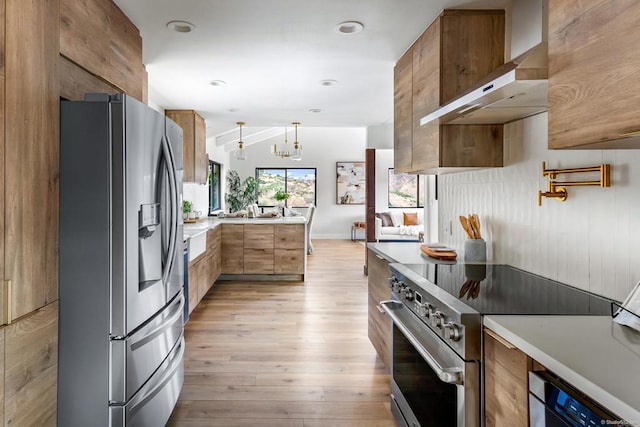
558, 189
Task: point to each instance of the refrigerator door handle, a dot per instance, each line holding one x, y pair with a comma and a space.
175, 364
167, 151
162, 328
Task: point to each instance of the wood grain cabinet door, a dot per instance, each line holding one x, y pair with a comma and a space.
403, 112
31, 152
258, 248
593, 74
232, 253
379, 324
99, 37
195, 160
506, 371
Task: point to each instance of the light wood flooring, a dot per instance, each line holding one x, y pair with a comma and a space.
286, 353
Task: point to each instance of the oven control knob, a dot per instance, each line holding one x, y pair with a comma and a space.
452, 331
423, 309
397, 286
408, 294
437, 319
392, 281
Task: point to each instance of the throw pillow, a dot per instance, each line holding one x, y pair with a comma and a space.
411, 218
385, 217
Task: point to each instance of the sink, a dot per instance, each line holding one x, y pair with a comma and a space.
197, 244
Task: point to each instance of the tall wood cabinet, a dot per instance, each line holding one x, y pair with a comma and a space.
458, 50
194, 144
33, 34
593, 74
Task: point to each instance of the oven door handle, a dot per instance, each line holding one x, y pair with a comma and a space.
446, 375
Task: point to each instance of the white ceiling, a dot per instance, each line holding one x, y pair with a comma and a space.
273, 55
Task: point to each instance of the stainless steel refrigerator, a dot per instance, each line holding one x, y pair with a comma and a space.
121, 342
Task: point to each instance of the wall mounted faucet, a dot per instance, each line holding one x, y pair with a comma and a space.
558, 189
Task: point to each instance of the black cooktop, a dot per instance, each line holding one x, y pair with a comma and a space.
502, 289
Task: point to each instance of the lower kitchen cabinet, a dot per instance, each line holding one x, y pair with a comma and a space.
506, 382
379, 324
29, 356
195, 279
263, 249
213, 256
232, 248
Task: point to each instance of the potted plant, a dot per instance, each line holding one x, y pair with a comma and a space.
281, 197
240, 194
186, 208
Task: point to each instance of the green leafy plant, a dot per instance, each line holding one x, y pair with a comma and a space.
281, 196
186, 206
240, 194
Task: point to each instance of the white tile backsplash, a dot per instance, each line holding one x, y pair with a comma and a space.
589, 241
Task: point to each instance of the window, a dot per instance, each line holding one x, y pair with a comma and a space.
405, 190
300, 183
215, 194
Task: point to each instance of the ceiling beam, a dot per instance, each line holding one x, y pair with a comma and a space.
250, 136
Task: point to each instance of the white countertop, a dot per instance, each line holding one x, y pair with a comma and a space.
403, 253
194, 229
593, 353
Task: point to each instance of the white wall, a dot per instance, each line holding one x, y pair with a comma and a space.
589, 241
322, 148
198, 194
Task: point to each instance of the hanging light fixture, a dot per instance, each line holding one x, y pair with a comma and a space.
240, 153
283, 149
297, 147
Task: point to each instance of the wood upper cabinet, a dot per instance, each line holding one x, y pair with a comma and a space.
31, 152
506, 371
98, 36
593, 74
403, 112
458, 50
194, 144
379, 324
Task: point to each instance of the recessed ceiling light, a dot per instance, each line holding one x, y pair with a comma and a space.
328, 82
315, 110
349, 27
181, 26
218, 83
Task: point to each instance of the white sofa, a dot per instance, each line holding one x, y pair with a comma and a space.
400, 231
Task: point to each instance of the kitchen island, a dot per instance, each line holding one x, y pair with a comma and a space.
261, 247
257, 249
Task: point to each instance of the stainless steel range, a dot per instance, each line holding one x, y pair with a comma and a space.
437, 314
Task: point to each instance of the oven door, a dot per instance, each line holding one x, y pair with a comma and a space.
430, 384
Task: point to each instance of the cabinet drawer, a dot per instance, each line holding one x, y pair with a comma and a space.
258, 261
288, 261
258, 236
289, 236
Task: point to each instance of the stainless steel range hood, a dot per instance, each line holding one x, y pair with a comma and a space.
516, 90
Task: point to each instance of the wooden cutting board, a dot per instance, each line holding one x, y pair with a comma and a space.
447, 254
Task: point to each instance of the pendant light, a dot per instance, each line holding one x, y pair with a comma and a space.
240, 153
297, 147
282, 150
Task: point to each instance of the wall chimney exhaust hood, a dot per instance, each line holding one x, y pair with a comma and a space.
516, 90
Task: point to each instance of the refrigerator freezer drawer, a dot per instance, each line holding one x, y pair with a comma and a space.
135, 358
153, 404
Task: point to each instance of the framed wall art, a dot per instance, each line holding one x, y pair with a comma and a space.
350, 183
